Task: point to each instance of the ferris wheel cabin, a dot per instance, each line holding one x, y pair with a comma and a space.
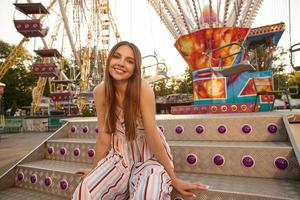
62, 94
62, 90
32, 25
47, 69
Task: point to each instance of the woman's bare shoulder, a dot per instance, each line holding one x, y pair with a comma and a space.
99, 92
147, 94
145, 87
99, 88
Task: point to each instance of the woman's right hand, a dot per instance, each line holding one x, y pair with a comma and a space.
186, 187
83, 172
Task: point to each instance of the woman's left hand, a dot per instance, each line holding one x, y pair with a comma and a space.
185, 187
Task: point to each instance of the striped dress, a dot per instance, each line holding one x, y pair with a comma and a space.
129, 171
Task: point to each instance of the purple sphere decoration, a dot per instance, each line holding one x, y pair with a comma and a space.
218, 160
246, 128
48, 181
50, 150
222, 129
33, 178
162, 129
191, 159
85, 129
248, 161
96, 130
63, 184
63, 150
199, 129
272, 128
179, 129
73, 129
76, 152
91, 153
281, 163
20, 176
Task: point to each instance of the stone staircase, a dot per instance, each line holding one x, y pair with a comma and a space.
240, 156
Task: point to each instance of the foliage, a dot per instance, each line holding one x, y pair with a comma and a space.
294, 81
19, 79
173, 85
185, 85
14, 108
280, 60
86, 112
22, 55
282, 78
279, 66
294, 78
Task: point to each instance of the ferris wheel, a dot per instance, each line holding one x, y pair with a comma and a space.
80, 27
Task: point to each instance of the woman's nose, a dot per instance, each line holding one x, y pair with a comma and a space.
121, 62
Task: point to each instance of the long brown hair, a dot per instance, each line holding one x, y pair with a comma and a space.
132, 96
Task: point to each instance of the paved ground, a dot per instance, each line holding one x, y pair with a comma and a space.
14, 147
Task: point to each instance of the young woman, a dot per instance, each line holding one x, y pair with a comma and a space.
132, 159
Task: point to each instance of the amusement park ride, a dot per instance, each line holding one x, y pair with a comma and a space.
224, 53
243, 155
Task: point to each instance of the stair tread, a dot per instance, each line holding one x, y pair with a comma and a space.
230, 144
193, 143
25, 194
194, 116
279, 188
74, 140
218, 116
56, 165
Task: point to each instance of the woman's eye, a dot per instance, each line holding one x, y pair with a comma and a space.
130, 61
115, 56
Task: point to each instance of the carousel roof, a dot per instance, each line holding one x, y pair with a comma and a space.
267, 29
184, 17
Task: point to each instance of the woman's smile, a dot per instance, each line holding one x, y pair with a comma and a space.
119, 70
122, 63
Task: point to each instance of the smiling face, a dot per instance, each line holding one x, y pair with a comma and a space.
122, 64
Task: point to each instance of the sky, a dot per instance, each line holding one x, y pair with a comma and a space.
137, 22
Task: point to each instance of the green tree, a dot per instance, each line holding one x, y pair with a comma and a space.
282, 78
178, 84
294, 83
279, 66
19, 79
185, 84
161, 88
14, 108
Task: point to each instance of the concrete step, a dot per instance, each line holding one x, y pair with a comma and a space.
223, 127
221, 187
199, 156
217, 127
242, 188
251, 159
49, 176
71, 149
15, 193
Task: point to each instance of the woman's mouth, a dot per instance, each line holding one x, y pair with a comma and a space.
119, 70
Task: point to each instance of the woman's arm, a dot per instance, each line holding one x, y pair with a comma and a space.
148, 112
103, 139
